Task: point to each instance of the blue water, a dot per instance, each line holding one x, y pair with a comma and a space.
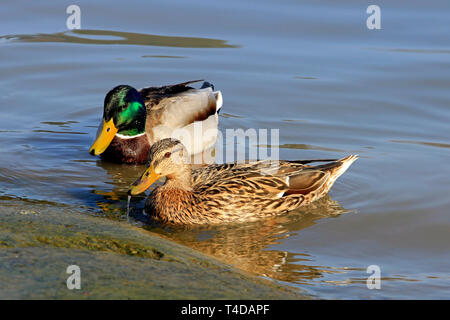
312, 70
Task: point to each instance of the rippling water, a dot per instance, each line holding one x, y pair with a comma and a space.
311, 69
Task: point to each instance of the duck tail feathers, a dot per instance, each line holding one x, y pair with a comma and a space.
337, 168
207, 84
219, 100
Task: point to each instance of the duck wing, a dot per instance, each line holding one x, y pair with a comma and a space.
271, 179
153, 95
179, 105
242, 180
265, 178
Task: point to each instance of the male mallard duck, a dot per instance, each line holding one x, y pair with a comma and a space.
134, 120
230, 192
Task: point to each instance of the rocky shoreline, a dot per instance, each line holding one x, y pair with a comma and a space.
38, 241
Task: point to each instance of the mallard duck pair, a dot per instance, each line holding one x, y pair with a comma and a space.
235, 192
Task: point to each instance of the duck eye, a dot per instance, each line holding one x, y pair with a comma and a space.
167, 154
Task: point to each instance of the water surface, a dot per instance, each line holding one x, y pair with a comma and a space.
312, 70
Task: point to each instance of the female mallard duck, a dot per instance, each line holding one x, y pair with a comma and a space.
134, 120
230, 192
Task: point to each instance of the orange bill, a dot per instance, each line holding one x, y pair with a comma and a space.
144, 182
104, 138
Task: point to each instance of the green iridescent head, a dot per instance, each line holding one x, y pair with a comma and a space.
124, 113
125, 106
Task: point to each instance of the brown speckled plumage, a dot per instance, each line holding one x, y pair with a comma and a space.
234, 192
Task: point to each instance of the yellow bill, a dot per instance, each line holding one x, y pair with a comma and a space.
104, 138
144, 182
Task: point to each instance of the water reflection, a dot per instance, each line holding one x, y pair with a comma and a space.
250, 246
405, 50
300, 146
424, 143
112, 202
164, 57
118, 37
